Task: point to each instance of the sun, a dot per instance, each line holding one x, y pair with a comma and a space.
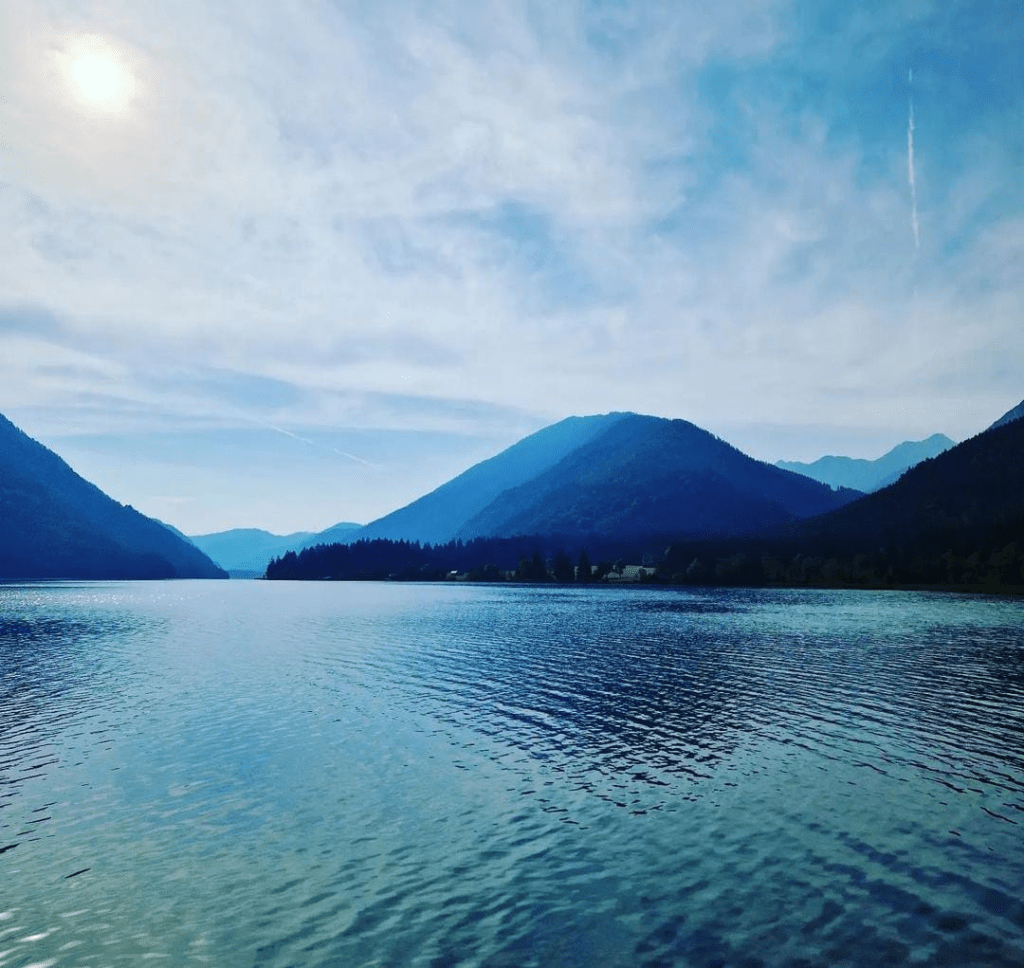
98, 78
101, 78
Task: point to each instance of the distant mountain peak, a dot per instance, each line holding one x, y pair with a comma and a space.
870, 475
248, 551
653, 475
442, 514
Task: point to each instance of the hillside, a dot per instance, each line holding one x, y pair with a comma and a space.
969, 495
870, 475
956, 519
342, 531
442, 514
648, 475
1015, 414
55, 524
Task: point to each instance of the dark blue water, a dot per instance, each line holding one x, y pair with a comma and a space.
264, 774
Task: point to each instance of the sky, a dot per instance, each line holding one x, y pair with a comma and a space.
287, 264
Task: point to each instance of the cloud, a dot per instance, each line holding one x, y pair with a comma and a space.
29, 320
479, 218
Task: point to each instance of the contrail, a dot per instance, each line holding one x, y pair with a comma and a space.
312, 443
345, 453
911, 173
287, 433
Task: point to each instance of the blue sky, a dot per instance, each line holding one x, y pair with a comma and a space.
310, 259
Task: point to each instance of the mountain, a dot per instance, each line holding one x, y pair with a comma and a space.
870, 475
956, 519
175, 531
247, 551
54, 524
342, 531
971, 494
649, 475
1015, 414
443, 513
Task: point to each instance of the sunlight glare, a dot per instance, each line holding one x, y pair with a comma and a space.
101, 79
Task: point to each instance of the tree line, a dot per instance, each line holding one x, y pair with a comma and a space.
530, 558
994, 563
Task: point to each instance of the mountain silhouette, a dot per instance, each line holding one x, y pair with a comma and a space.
650, 475
55, 524
870, 475
954, 520
970, 495
613, 475
443, 513
623, 484
342, 531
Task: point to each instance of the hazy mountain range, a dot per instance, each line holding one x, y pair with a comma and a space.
549, 481
55, 524
246, 552
970, 496
955, 519
610, 482
519, 490
614, 475
870, 475
612, 478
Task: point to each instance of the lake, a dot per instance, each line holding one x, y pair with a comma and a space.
275, 774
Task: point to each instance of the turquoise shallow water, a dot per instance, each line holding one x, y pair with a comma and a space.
267, 774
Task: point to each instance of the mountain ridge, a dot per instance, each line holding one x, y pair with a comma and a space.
439, 515
953, 520
250, 550
870, 475
56, 524
646, 474
1015, 414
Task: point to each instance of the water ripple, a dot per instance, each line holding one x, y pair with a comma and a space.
263, 774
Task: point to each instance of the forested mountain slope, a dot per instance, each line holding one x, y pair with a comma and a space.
649, 475
972, 493
1015, 414
55, 524
954, 520
440, 515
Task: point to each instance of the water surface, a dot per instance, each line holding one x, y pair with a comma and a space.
272, 774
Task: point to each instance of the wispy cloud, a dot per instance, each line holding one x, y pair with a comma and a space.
476, 218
